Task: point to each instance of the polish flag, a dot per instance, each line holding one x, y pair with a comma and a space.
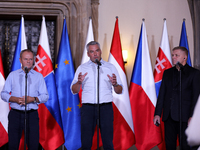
85, 58
90, 37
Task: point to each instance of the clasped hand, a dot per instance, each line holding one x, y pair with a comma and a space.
21, 100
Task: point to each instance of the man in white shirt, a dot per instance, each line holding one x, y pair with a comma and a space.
86, 76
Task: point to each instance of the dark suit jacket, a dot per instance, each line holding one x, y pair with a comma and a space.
169, 94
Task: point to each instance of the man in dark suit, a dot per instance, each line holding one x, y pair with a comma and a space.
169, 98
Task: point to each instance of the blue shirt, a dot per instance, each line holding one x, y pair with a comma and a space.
15, 86
89, 84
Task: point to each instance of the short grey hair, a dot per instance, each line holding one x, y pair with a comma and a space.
184, 49
26, 50
92, 43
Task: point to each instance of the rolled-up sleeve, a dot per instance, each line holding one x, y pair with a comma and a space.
43, 95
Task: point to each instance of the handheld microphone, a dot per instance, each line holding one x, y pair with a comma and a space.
25, 69
98, 62
157, 124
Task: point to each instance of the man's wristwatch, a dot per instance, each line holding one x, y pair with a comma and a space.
35, 101
115, 85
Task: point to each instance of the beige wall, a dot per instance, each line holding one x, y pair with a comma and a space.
130, 13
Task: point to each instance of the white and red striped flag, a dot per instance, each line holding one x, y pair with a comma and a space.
85, 58
90, 37
123, 123
4, 108
163, 62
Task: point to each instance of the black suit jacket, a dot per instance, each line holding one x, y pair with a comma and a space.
169, 94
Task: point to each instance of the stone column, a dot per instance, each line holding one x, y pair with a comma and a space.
194, 6
95, 17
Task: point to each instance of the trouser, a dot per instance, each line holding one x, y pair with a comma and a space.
16, 126
172, 130
89, 121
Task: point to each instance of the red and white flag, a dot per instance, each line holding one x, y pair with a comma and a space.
51, 133
4, 108
85, 58
163, 62
90, 37
123, 122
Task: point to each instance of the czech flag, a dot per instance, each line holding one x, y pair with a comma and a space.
143, 97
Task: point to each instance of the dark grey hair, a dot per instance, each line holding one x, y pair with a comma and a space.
92, 43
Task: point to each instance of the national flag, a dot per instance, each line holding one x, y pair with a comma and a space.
143, 97
123, 123
51, 133
4, 107
21, 45
69, 103
85, 58
184, 42
163, 62
90, 37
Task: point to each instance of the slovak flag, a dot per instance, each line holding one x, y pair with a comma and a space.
163, 62
4, 107
123, 124
51, 133
143, 97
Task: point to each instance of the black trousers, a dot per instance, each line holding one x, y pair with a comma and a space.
16, 126
89, 121
172, 131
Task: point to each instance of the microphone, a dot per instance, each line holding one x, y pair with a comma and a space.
98, 62
179, 64
25, 69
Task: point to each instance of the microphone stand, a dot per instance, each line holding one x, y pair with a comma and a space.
26, 71
180, 134
98, 106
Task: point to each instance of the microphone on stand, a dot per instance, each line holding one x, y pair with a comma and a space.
98, 62
179, 64
25, 69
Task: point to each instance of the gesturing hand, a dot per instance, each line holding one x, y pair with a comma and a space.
81, 77
113, 79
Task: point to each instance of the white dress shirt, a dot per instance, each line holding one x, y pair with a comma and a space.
89, 84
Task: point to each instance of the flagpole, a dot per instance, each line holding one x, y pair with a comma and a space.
25, 112
180, 134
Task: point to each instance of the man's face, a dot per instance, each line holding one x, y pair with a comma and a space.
94, 52
27, 60
179, 56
